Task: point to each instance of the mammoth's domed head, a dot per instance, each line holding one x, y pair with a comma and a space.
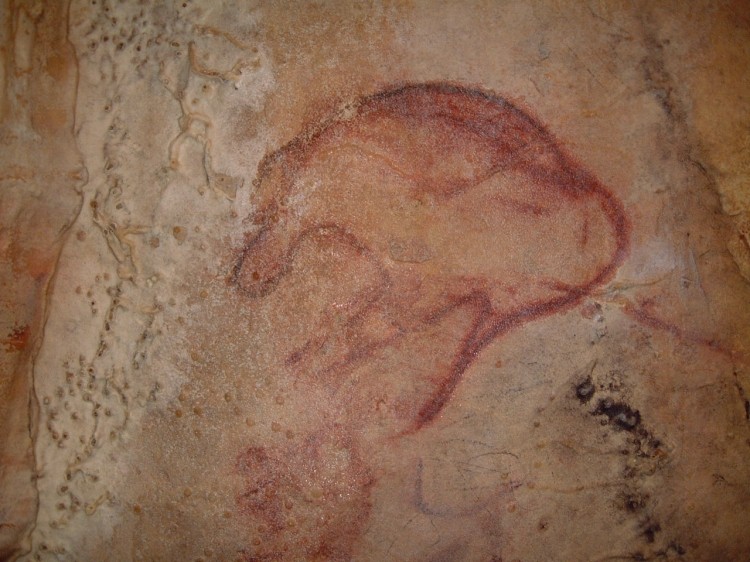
443, 186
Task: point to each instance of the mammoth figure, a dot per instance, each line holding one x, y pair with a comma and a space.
395, 241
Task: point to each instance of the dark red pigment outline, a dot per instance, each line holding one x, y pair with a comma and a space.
497, 138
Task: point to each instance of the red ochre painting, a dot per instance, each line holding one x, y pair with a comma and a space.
410, 229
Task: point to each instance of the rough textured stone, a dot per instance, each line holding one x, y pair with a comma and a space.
391, 281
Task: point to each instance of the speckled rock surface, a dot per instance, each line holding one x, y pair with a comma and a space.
394, 281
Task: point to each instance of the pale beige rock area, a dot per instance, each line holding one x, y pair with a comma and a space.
156, 405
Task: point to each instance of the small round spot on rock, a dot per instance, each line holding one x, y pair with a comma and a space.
634, 503
179, 233
275, 426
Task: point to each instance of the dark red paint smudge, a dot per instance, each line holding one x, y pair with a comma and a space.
17, 339
495, 137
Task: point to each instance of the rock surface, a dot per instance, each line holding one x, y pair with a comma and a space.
394, 281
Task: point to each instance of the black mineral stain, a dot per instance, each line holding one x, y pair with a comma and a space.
585, 390
674, 546
743, 395
649, 531
633, 502
646, 445
619, 414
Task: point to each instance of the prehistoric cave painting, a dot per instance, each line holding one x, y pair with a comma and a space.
393, 242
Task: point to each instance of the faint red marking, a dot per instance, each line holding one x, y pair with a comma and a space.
17, 340
495, 137
329, 507
644, 313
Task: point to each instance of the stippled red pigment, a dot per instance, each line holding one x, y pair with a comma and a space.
452, 217
17, 340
